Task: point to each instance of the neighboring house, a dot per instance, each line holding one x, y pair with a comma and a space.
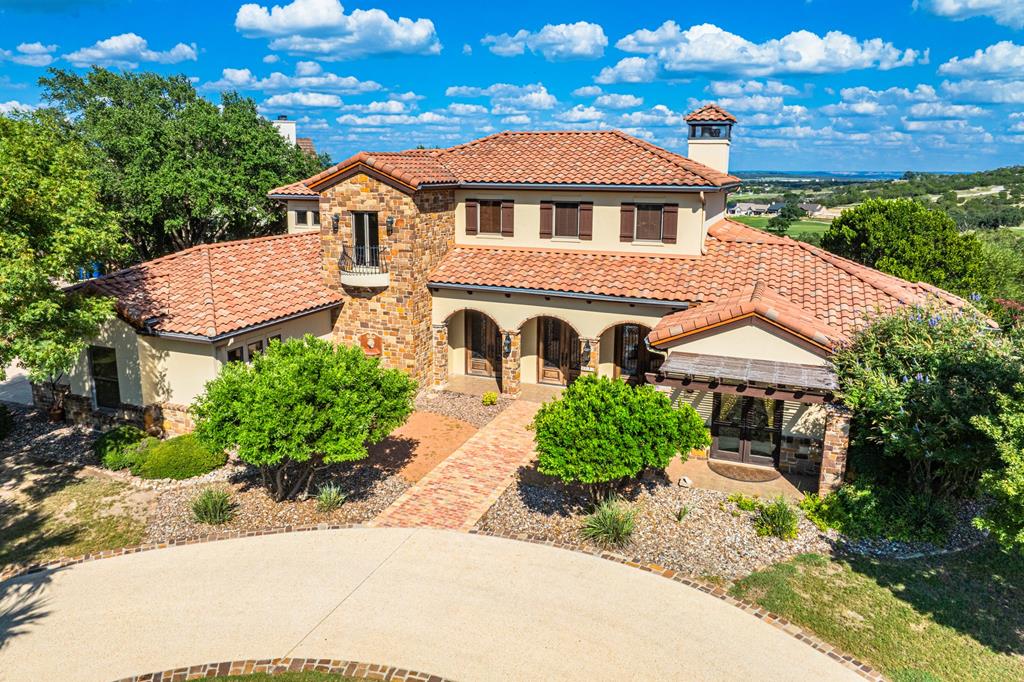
811, 209
748, 208
775, 207
288, 130
523, 257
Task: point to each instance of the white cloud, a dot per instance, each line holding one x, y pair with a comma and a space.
659, 115
580, 113
615, 101
321, 27
271, 59
391, 106
244, 79
750, 87
392, 119
994, 91
862, 108
462, 109
708, 48
1007, 12
750, 103
409, 96
308, 69
127, 51
11, 106
587, 91
788, 115
943, 126
508, 99
302, 99
629, 70
30, 54
556, 42
921, 93
467, 49
517, 119
1003, 58
944, 110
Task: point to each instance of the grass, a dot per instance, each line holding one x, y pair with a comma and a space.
798, 227
284, 677
72, 518
944, 618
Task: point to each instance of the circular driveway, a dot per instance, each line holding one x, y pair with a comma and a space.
466, 607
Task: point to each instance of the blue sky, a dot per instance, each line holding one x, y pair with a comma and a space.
816, 84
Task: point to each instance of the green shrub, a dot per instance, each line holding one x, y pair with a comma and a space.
213, 506
682, 513
490, 398
6, 421
119, 448
1004, 485
610, 525
603, 431
178, 458
776, 518
329, 497
745, 503
864, 510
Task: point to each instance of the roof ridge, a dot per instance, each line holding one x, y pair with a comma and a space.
211, 300
664, 154
882, 281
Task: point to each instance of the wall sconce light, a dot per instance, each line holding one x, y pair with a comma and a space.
585, 355
335, 219
506, 346
389, 222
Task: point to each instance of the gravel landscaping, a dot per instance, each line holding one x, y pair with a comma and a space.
963, 535
468, 408
34, 437
713, 540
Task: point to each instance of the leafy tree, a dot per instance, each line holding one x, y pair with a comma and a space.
1004, 484
179, 169
906, 239
602, 432
790, 213
300, 406
53, 223
917, 382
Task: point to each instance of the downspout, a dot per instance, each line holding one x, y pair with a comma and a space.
703, 224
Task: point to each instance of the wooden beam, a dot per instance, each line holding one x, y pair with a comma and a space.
691, 384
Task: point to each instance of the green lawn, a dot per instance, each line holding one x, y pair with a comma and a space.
946, 618
799, 227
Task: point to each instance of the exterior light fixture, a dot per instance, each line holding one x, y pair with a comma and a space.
390, 223
585, 355
335, 219
506, 346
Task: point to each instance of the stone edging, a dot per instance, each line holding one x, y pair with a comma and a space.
277, 666
861, 668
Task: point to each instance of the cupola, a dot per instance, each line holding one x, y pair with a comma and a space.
710, 136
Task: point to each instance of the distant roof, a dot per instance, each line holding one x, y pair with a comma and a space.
217, 289
306, 145
571, 158
710, 113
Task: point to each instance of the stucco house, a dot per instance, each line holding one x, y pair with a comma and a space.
520, 258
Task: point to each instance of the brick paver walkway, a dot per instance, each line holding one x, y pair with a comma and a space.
461, 488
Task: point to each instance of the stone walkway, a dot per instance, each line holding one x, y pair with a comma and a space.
459, 490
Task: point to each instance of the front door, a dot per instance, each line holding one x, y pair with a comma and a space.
366, 240
632, 359
746, 429
559, 352
483, 342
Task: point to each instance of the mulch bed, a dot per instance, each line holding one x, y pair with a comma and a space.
468, 408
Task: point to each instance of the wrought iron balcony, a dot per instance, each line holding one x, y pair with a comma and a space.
364, 266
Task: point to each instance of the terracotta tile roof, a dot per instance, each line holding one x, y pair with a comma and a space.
710, 113
605, 157
295, 189
806, 285
306, 145
215, 289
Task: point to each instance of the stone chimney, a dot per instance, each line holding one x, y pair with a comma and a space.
710, 136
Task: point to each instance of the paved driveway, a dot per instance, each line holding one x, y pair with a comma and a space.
462, 606
15, 388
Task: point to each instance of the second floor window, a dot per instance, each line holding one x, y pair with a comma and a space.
490, 217
648, 222
311, 218
567, 220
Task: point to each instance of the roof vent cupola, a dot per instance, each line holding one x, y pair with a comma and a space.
710, 136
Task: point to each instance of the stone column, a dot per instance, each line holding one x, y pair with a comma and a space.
440, 375
510, 362
833, 452
590, 366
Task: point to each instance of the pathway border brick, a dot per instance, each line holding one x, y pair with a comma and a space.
278, 666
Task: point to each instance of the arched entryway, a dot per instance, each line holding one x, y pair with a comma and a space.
474, 346
624, 353
551, 351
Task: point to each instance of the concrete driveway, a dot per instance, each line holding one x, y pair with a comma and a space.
461, 606
15, 388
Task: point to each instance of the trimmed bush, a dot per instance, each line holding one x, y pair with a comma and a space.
863, 510
213, 506
6, 421
610, 525
120, 447
776, 518
490, 398
329, 497
178, 458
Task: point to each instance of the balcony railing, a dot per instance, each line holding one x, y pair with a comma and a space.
364, 266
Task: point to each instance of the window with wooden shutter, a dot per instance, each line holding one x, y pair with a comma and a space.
626, 219
472, 211
508, 218
670, 222
567, 220
547, 210
490, 217
586, 220
648, 222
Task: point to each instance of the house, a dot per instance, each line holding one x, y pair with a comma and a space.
775, 207
520, 258
811, 209
748, 208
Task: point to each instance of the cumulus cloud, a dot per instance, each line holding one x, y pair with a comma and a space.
127, 51
986, 91
517, 119
290, 100
856, 108
322, 28
271, 59
391, 106
708, 48
1003, 58
12, 106
750, 87
944, 110
940, 126
393, 119
614, 101
629, 70
861, 93
30, 54
507, 98
587, 91
556, 42
751, 103
308, 76
580, 113
463, 109
659, 115
1007, 12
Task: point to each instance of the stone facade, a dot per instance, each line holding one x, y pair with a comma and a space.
511, 364
165, 419
590, 365
834, 451
800, 456
440, 354
423, 232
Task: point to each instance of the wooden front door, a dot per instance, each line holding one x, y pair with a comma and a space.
632, 359
559, 352
746, 429
483, 345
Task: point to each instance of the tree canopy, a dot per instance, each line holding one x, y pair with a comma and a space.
178, 169
54, 223
906, 239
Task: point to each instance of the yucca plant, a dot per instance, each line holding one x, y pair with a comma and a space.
213, 506
329, 497
611, 524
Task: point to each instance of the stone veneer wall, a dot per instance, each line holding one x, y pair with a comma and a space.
400, 314
800, 456
167, 419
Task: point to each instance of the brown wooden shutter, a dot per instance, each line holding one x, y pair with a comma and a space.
547, 218
472, 215
626, 221
586, 220
508, 213
670, 218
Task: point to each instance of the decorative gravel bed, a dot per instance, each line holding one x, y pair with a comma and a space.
35, 437
963, 535
468, 408
714, 539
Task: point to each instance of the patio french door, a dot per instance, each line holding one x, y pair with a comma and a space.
366, 240
746, 429
483, 343
559, 352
